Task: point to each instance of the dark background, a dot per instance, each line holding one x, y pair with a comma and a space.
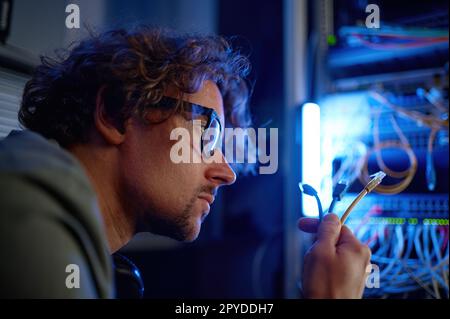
249, 246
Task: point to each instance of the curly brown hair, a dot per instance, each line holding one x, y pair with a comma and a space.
135, 67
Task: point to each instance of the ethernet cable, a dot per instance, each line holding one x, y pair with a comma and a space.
436, 278
402, 144
437, 247
430, 170
309, 190
338, 192
374, 182
434, 122
398, 268
433, 99
401, 282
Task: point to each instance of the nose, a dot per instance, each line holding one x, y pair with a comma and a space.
220, 172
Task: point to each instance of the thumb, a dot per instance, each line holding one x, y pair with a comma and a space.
329, 230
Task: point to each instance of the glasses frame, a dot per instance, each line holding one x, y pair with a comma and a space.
198, 110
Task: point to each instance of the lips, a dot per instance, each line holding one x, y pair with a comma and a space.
208, 197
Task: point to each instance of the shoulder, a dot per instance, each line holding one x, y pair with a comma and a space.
48, 220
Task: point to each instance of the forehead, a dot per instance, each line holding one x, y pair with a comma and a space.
208, 96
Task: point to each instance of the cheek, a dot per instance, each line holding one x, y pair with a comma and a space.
142, 165
154, 179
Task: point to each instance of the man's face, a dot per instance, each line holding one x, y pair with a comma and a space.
164, 197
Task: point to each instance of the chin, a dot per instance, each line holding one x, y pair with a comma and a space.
183, 230
192, 234
190, 239
191, 231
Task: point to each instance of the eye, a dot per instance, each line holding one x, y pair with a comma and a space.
211, 137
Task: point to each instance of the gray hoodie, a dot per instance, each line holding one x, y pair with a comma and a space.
50, 226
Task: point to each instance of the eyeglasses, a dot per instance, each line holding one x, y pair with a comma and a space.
211, 131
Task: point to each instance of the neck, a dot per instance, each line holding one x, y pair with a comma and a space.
99, 168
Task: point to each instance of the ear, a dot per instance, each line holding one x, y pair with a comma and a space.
105, 125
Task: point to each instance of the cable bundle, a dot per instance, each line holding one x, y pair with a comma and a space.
410, 258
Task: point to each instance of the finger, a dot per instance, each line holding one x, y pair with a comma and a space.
329, 229
348, 240
308, 225
347, 237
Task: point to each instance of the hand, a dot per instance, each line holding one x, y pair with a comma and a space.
335, 265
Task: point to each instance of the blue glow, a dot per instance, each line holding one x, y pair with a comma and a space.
345, 119
310, 155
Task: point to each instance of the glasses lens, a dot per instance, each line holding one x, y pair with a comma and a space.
211, 138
